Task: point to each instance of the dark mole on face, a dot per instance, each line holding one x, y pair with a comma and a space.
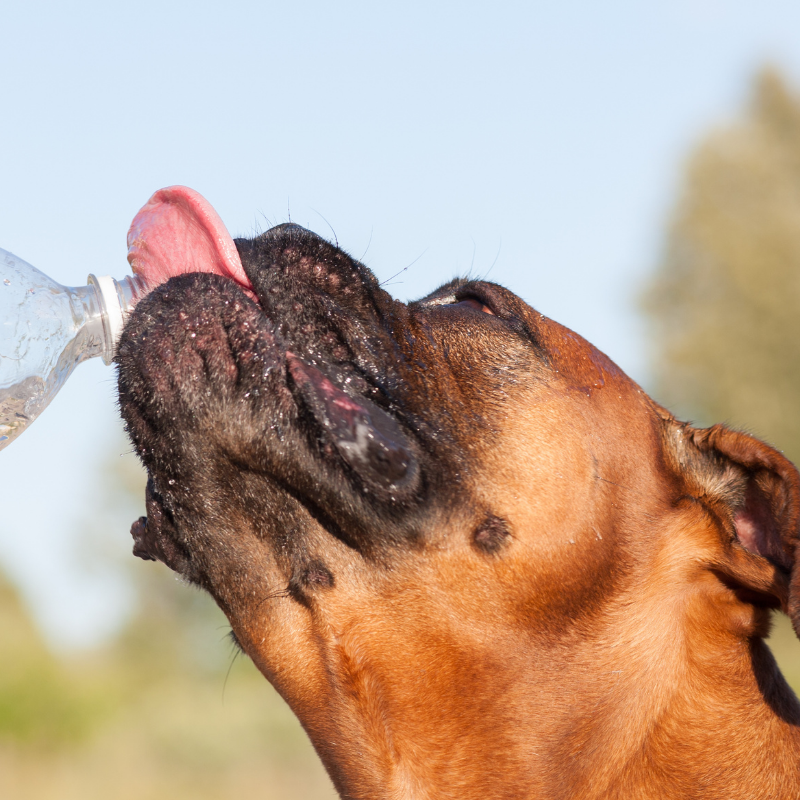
317, 575
312, 576
490, 535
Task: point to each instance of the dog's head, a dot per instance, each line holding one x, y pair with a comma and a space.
405, 508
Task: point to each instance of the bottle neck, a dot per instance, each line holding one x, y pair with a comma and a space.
110, 302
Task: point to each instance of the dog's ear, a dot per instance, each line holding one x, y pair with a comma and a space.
755, 492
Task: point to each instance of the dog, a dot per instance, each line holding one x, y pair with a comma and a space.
475, 558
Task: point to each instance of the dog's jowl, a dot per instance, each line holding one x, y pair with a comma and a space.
475, 558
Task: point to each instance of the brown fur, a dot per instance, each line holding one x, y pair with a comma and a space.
561, 593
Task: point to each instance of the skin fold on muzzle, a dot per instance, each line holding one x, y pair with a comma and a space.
474, 557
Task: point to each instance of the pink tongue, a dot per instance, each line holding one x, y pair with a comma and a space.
178, 231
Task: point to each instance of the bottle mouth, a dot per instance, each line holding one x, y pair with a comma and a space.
116, 300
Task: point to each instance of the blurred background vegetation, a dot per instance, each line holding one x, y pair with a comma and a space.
166, 710
724, 303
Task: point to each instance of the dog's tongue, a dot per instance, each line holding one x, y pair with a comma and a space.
178, 231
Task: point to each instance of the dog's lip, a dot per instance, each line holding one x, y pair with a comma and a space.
141, 547
369, 440
369, 437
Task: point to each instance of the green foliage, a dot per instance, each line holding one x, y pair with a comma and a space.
725, 303
41, 703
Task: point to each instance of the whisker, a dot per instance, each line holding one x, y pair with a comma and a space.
335, 237
236, 653
371, 230
496, 259
276, 595
384, 283
472, 260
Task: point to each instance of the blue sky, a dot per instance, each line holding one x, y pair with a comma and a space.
541, 141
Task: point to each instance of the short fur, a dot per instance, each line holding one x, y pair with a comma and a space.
474, 557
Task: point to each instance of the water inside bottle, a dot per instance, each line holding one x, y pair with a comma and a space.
46, 330
13, 419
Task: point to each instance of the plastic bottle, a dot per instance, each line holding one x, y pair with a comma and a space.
47, 329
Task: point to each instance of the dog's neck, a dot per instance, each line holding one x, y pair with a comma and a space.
662, 715
628, 708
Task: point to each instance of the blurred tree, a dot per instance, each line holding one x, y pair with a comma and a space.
159, 713
724, 305
43, 703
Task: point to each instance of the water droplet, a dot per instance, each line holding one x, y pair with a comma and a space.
171, 481
7, 282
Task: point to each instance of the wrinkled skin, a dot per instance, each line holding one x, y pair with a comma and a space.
472, 555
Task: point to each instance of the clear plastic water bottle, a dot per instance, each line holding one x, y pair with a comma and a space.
46, 330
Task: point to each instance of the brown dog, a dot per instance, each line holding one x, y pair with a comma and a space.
475, 558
